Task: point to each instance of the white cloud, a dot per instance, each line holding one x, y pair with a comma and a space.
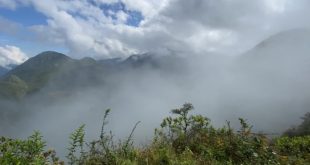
8, 4
180, 26
105, 1
227, 26
11, 55
122, 16
13, 4
8, 27
149, 8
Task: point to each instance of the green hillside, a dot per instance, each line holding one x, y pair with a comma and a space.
49, 68
37, 71
13, 88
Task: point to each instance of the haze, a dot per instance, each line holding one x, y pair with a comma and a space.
231, 59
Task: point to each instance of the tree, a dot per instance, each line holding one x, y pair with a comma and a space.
302, 129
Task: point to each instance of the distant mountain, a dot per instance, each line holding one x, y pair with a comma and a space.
6, 69
11, 66
135, 60
53, 72
280, 63
44, 69
37, 70
285, 47
288, 52
13, 88
3, 71
111, 62
167, 63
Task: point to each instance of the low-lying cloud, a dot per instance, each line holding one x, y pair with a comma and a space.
11, 55
268, 85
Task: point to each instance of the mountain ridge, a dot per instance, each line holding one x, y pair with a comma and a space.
64, 73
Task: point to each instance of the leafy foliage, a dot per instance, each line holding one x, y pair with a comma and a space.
294, 150
30, 151
104, 151
302, 129
181, 139
194, 134
76, 144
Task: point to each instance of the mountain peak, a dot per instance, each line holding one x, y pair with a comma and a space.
88, 60
51, 55
40, 65
281, 49
47, 59
292, 37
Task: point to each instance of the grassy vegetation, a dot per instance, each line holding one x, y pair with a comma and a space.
181, 139
29, 151
49, 70
13, 88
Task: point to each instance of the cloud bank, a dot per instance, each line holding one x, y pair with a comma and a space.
118, 28
11, 55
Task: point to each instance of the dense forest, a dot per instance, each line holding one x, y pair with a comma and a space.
182, 138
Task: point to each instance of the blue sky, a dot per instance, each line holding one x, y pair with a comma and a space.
27, 16
135, 16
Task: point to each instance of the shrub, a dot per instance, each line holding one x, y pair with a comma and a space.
104, 151
182, 139
194, 134
293, 150
302, 129
30, 151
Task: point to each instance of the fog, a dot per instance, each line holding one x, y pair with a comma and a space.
268, 86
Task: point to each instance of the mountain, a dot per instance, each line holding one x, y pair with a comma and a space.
279, 65
13, 88
137, 60
52, 72
6, 69
133, 61
111, 61
49, 70
3, 71
288, 47
37, 70
282, 56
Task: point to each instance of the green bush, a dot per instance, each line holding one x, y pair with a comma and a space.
181, 139
302, 129
30, 151
104, 151
293, 150
224, 145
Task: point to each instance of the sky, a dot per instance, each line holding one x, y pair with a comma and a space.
120, 28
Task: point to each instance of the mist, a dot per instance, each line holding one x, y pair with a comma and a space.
267, 85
